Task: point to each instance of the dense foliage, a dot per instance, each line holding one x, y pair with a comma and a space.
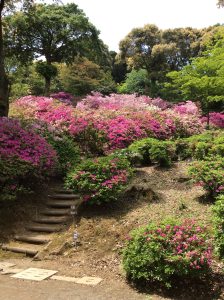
101, 179
160, 252
25, 158
148, 151
203, 78
218, 221
57, 33
209, 173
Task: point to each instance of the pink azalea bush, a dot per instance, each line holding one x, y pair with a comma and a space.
216, 119
101, 124
97, 101
188, 107
101, 179
122, 101
63, 97
159, 252
24, 156
48, 110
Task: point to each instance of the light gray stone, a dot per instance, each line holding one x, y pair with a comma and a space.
89, 280
9, 271
35, 274
5, 264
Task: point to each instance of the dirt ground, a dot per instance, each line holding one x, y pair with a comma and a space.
154, 194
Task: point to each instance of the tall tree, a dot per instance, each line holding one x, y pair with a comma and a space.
56, 32
84, 76
119, 67
203, 79
4, 90
6, 6
159, 52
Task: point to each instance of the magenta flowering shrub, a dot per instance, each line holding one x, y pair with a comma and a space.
25, 145
158, 102
188, 107
159, 252
188, 125
101, 179
63, 97
132, 102
68, 152
24, 156
103, 124
120, 131
216, 120
48, 110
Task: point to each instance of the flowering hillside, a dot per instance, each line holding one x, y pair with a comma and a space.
102, 124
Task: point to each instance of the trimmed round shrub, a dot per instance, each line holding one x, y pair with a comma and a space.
25, 158
209, 173
101, 179
218, 221
149, 151
160, 252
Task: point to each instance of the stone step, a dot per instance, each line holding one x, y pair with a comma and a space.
61, 203
64, 196
63, 191
24, 248
56, 212
44, 228
33, 239
51, 220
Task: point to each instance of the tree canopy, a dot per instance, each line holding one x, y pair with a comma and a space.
203, 79
83, 76
6, 5
158, 51
56, 33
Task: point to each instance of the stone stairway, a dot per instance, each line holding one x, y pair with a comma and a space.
53, 218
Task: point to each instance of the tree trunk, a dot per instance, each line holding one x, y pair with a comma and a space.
4, 83
47, 86
208, 120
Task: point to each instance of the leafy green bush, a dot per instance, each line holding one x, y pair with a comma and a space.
159, 252
68, 153
218, 221
149, 150
209, 173
196, 146
101, 179
136, 82
200, 146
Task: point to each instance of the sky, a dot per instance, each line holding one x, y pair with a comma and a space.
116, 18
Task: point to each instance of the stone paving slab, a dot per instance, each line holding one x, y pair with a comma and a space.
89, 280
11, 271
5, 264
84, 280
64, 278
35, 274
